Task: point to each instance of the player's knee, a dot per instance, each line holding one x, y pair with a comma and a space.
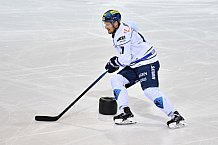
117, 81
159, 102
151, 92
116, 93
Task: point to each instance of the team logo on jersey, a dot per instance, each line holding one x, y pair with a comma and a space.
122, 38
126, 30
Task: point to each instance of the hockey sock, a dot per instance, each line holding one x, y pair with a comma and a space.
160, 100
120, 92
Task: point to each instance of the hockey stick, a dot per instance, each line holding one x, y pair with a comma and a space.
55, 118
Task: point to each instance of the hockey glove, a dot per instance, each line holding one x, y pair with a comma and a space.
111, 66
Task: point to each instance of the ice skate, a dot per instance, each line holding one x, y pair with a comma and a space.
124, 118
177, 121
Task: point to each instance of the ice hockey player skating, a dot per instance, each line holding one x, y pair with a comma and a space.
140, 64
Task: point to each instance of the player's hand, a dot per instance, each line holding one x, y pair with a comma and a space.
111, 66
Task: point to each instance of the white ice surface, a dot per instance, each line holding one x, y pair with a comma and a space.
51, 50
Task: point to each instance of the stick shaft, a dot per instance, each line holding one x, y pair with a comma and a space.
80, 96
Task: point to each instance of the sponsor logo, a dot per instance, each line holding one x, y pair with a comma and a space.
143, 79
142, 76
153, 72
121, 38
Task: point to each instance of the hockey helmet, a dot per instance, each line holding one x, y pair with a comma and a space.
111, 16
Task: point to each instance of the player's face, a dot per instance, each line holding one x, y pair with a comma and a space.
109, 27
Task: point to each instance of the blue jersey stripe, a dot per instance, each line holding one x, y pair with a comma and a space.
146, 57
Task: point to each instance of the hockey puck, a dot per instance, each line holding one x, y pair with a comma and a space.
107, 106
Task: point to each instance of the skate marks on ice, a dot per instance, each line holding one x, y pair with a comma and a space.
42, 70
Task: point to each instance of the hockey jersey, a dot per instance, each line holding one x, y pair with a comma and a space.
133, 50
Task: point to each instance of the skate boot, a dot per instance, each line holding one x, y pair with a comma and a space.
124, 118
177, 121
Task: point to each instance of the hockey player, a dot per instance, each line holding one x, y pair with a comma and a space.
141, 64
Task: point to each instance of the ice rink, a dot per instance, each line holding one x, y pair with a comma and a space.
51, 50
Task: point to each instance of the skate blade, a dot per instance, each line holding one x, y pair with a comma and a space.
124, 122
177, 125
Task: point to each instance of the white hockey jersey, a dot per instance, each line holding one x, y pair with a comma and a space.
133, 49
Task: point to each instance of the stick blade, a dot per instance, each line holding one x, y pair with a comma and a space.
46, 118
